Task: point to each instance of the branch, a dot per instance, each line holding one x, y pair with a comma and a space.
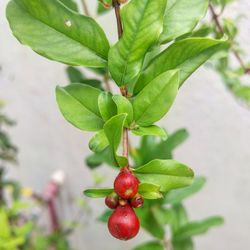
85, 8
124, 90
220, 29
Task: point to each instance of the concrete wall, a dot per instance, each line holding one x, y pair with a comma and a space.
217, 148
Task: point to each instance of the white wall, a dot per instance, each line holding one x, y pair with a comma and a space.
217, 148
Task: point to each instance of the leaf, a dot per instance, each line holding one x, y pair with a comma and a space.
98, 193
71, 4
149, 222
78, 104
184, 245
124, 106
74, 74
196, 228
98, 142
105, 216
150, 130
113, 129
142, 22
101, 9
186, 55
168, 174
106, 105
97, 159
154, 101
181, 17
52, 30
181, 217
5, 230
177, 196
151, 245
150, 191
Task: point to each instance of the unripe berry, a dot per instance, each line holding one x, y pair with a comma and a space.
112, 200
123, 224
126, 184
137, 201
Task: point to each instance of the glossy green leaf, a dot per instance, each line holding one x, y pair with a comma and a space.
177, 196
150, 191
154, 101
150, 130
142, 22
78, 104
113, 129
106, 105
181, 17
187, 55
98, 142
98, 193
196, 228
168, 174
152, 245
124, 106
52, 30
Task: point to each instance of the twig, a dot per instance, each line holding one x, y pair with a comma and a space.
85, 8
220, 29
124, 90
106, 82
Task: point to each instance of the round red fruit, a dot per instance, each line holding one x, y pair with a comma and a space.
137, 201
123, 224
112, 200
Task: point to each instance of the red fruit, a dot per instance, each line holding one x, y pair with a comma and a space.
112, 200
123, 224
126, 184
137, 201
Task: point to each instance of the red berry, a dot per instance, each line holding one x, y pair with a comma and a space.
137, 201
112, 200
123, 224
126, 184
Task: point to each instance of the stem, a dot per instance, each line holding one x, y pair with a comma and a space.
2, 201
116, 6
85, 8
124, 90
220, 29
106, 82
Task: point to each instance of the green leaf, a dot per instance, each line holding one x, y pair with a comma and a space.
177, 196
168, 174
98, 193
151, 245
150, 223
150, 191
150, 130
196, 228
71, 4
124, 106
74, 74
52, 30
113, 129
154, 101
184, 245
5, 227
78, 104
181, 17
101, 9
142, 22
181, 217
106, 105
105, 216
186, 55
98, 142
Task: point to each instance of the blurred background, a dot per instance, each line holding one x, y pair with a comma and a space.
218, 146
